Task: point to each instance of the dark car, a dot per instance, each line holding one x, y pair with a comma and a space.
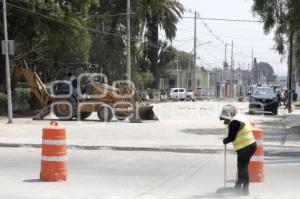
263, 99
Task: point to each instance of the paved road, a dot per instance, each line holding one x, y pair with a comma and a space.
123, 168
139, 175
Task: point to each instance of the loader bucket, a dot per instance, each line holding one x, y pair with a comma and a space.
143, 112
146, 113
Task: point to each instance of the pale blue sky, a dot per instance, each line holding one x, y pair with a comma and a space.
244, 35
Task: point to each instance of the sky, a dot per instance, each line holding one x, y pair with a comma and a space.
244, 35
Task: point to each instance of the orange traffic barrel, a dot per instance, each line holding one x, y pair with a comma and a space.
54, 154
256, 166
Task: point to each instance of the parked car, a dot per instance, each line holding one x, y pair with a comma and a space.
178, 94
263, 99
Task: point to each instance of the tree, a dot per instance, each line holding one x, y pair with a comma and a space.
167, 57
185, 59
263, 69
59, 36
158, 14
267, 70
283, 15
50, 34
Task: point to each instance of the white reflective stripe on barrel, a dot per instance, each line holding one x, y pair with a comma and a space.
257, 158
55, 158
54, 142
259, 142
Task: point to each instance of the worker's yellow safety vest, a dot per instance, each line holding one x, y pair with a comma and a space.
245, 136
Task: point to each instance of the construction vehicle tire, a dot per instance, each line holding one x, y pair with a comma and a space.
84, 115
65, 109
121, 117
105, 113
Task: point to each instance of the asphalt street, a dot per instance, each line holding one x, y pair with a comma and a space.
140, 175
178, 157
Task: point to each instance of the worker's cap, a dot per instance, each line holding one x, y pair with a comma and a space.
228, 112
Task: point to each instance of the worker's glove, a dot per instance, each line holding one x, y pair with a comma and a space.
225, 141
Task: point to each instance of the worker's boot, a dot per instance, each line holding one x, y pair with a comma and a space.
245, 190
238, 187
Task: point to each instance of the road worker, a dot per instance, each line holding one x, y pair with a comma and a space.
244, 144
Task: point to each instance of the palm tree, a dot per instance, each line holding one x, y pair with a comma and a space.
159, 14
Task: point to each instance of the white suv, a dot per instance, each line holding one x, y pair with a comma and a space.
178, 93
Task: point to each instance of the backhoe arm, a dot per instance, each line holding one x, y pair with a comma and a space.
32, 78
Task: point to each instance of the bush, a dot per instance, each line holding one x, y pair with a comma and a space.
3, 103
296, 104
21, 99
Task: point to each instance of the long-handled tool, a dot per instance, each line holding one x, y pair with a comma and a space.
225, 166
225, 189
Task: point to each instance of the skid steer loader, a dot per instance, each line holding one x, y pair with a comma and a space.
65, 102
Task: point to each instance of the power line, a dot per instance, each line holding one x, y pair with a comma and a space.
209, 53
62, 22
212, 32
78, 27
227, 20
110, 15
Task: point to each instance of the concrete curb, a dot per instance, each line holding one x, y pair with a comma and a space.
117, 148
268, 153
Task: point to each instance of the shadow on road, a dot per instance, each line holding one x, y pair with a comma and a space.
209, 131
215, 196
32, 180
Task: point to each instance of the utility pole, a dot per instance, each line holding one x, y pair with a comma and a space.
232, 68
220, 77
225, 55
7, 66
194, 79
128, 63
256, 69
290, 71
252, 65
188, 74
177, 73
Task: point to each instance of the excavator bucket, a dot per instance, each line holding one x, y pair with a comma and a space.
146, 113
143, 112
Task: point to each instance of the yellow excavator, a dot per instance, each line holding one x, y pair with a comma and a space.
66, 103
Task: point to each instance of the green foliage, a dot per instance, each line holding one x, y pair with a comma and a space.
265, 69
60, 36
142, 79
48, 33
22, 95
164, 14
22, 99
185, 59
3, 103
283, 15
167, 57
170, 57
296, 104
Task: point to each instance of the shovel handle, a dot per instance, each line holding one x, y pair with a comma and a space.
225, 165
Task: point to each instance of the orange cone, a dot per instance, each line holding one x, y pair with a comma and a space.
256, 166
54, 154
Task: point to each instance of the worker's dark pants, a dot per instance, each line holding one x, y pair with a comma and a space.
244, 155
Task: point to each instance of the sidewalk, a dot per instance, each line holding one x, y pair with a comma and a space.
183, 127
